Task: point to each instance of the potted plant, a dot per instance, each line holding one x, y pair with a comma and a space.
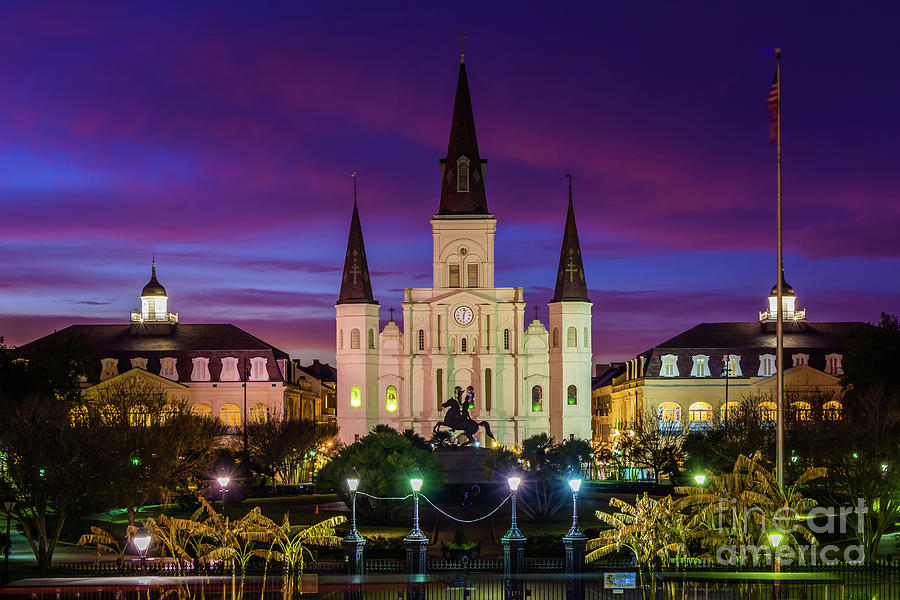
462, 548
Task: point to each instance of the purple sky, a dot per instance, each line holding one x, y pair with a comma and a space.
223, 139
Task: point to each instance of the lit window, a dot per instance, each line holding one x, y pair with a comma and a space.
472, 274
700, 415
454, 276
109, 415
556, 337
537, 399
802, 411
833, 364
139, 363
731, 411
201, 369
571, 337
462, 345
832, 410
259, 413
701, 366
734, 366
768, 411
109, 368
390, 399
139, 416
800, 359
78, 415
421, 340
168, 369
258, 371
354, 339
462, 174
669, 366
202, 410
669, 417
572, 395
168, 412
229, 369
355, 397
766, 365
506, 339
230, 415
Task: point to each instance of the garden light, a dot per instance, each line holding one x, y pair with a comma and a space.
416, 481
700, 479
353, 480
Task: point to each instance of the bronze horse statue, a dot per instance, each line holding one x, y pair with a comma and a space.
458, 418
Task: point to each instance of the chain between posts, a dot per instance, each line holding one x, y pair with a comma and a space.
437, 508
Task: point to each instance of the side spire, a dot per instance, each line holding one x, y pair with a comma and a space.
462, 183
356, 286
570, 282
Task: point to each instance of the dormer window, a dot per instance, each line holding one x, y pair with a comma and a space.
833, 364
800, 359
462, 174
258, 371
200, 371
229, 369
168, 368
109, 368
139, 363
701, 366
669, 366
766, 365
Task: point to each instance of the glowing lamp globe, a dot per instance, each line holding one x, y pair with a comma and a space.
416, 481
775, 539
513, 481
353, 480
223, 480
575, 483
700, 479
142, 542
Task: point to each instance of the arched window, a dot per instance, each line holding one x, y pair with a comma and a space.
202, 410
572, 395
78, 416
506, 339
259, 413
462, 345
139, 416
832, 410
341, 339
201, 369
669, 417
587, 338
371, 339
109, 415
453, 275
700, 415
537, 399
421, 340
230, 415
168, 412
354, 339
767, 411
472, 274
556, 337
487, 389
355, 397
730, 411
258, 371
801, 410
390, 399
571, 337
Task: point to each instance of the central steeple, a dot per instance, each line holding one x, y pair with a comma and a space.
356, 286
570, 282
462, 171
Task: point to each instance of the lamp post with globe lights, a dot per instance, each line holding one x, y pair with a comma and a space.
416, 541
354, 542
513, 546
141, 541
223, 483
574, 542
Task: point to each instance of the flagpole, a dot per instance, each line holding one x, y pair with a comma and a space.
779, 324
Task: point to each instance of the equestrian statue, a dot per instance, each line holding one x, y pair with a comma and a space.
457, 417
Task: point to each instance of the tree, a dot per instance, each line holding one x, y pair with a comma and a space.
746, 431
871, 355
384, 460
277, 446
655, 447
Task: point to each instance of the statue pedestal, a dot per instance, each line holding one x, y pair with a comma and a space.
463, 465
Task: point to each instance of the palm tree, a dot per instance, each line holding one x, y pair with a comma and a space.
104, 541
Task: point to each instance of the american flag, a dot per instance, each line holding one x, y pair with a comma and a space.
772, 105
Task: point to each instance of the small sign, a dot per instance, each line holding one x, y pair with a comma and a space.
620, 581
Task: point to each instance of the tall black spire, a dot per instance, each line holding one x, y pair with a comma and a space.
462, 186
356, 287
570, 282
153, 287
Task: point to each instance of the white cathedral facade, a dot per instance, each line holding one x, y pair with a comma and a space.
463, 330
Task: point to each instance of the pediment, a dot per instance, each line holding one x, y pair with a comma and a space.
471, 295
137, 374
802, 376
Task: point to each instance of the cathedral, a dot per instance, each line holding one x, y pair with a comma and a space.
464, 330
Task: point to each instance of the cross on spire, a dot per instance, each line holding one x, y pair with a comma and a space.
535, 312
392, 312
462, 37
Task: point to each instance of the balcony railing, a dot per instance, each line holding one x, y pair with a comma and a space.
138, 317
771, 315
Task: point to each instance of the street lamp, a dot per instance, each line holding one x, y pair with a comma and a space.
223, 483
142, 543
8, 505
775, 538
415, 482
514, 480
353, 485
354, 542
513, 546
700, 479
415, 542
575, 485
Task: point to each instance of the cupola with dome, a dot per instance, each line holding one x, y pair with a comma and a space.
789, 310
154, 307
